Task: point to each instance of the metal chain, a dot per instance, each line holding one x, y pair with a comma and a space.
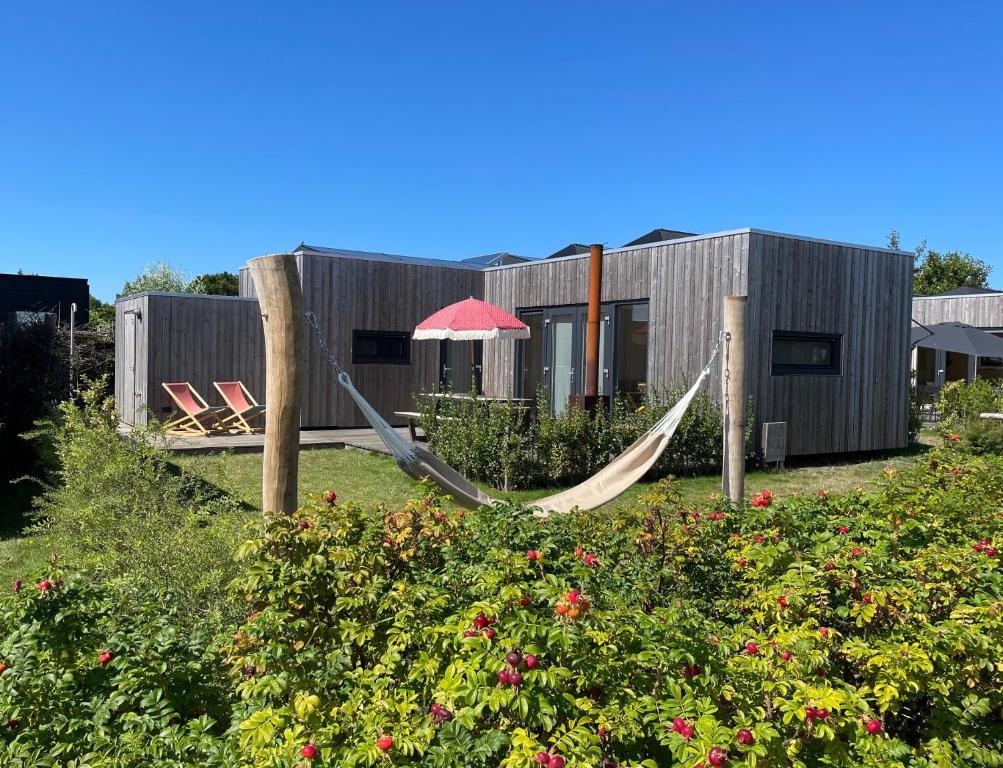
726, 336
312, 319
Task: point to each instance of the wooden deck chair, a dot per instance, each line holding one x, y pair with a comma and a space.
245, 408
196, 411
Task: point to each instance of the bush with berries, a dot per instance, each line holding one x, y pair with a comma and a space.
92, 677
808, 630
811, 630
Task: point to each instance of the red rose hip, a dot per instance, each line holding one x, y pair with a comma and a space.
717, 757
385, 743
308, 752
745, 737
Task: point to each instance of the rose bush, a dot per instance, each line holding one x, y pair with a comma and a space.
808, 630
95, 678
814, 630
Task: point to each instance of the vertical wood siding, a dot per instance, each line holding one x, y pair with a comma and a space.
355, 294
793, 284
198, 339
982, 311
683, 283
552, 283
864, 295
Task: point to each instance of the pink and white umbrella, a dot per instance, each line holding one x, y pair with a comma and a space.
471, 320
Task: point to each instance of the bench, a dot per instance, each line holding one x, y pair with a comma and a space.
412, 422
994, 416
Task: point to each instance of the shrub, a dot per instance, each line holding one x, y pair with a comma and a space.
124, 513
985, 437
157, 698
857, 630
961, 403
506, 445
816, 630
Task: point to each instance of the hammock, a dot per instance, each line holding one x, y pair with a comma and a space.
604, 486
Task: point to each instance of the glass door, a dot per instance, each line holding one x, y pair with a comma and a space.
562, 358
530, 358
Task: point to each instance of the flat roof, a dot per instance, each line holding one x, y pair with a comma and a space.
986, 294
347, 253
465, 264
132, 296
40, 277
709, 235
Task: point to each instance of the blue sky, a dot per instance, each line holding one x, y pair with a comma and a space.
210, 133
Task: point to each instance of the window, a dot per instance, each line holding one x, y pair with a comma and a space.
381, 347
993, 363
806, 354
554, 354
455, 372
632, 349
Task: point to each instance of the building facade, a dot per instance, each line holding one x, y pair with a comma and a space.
828, 331
978, 307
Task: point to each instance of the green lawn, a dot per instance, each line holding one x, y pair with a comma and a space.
369, 478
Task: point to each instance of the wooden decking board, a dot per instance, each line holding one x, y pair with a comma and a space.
363, 439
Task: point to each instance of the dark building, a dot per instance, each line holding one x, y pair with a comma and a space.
45, 295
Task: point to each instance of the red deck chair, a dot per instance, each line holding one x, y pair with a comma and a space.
245, 408
196, 411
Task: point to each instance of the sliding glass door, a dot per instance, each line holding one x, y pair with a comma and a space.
563, 331
554, 355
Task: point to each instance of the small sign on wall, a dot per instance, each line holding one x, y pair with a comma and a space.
774, 445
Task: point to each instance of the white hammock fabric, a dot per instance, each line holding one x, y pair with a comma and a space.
604, 486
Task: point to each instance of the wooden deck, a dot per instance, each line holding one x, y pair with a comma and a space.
364, 439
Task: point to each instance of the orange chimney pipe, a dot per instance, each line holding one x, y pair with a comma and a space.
594, 318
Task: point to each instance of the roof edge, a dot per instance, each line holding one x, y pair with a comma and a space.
174, 294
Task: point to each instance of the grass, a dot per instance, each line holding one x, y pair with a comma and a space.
18, 552
369, 478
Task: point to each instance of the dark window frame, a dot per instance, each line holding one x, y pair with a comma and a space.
358, 334
608, 365
834, 368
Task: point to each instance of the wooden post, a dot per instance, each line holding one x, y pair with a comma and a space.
733, 397
280, 295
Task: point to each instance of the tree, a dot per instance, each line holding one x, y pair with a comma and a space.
160, 276
936, 272
215, 284
101, 313
893, 239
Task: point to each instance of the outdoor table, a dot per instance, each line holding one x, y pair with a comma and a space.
466, 396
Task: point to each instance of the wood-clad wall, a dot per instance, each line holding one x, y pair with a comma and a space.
553, 282
186, 337
688, 283
245, 285
356, 294
864, 295
793, 284
980, 310
683, 283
